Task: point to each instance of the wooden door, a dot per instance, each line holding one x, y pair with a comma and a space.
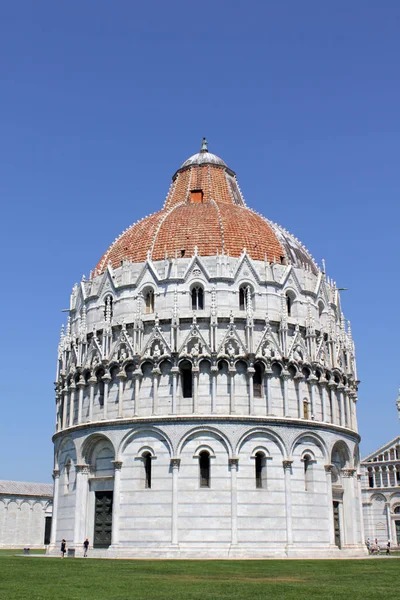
336, 523
102, 519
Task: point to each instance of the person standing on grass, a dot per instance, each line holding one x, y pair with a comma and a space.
388, 547
63, 548
85, 548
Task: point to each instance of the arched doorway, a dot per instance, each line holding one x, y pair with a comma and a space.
340, 460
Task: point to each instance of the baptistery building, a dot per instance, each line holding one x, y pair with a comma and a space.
206, 389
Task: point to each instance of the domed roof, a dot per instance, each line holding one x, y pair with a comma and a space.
205, 209
204, 157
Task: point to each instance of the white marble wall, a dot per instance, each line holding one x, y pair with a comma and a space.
22, 521
232, 516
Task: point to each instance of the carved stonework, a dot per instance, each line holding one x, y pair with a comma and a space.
175, 463
348, 472
287, 465
117, 465
84, 469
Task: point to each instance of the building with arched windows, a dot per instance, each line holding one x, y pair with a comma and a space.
380, 483
206, 389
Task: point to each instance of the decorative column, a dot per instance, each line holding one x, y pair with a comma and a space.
312, 381
56, 487
285, 376
231, 375
116, 503
82, 473
331, 525
72, 388
121, 388
324, 407
268, 403
92, 382
347, 401
137, 374
298, 378
195, 374
65, 407
287, 467
389, 529
380, 476
106, 380
394, 475
332, 385
214, 372
81, 386
360, 508
175, 462
340, 389
233, 466
156, 374
250, 372
175, 373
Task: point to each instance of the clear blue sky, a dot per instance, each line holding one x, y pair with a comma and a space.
102, 101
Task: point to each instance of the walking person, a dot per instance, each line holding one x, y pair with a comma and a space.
63, 548
85, 548
388, 548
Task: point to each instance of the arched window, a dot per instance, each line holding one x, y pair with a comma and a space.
242, 297
307, 472
257, 381
197, 298
306, 409
371, 482
260, 470
204, 464
397, 510
186, 379
149, 301
289, 303
147, 469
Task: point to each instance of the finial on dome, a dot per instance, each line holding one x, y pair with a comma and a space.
204, 146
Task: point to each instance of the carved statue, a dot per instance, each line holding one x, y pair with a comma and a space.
195, 350
230, 350
298, 354
268, 351
122, 354
156, 351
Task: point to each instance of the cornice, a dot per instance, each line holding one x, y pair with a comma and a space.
177, 419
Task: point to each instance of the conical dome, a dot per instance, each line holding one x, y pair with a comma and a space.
205, 209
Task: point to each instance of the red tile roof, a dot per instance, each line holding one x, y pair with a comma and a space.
221, 222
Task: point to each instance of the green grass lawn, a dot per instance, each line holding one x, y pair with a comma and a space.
85, 579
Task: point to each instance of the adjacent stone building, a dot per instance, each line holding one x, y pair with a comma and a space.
25, 514
381, 492
206, 389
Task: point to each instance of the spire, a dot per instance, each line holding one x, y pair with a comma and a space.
204, 145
